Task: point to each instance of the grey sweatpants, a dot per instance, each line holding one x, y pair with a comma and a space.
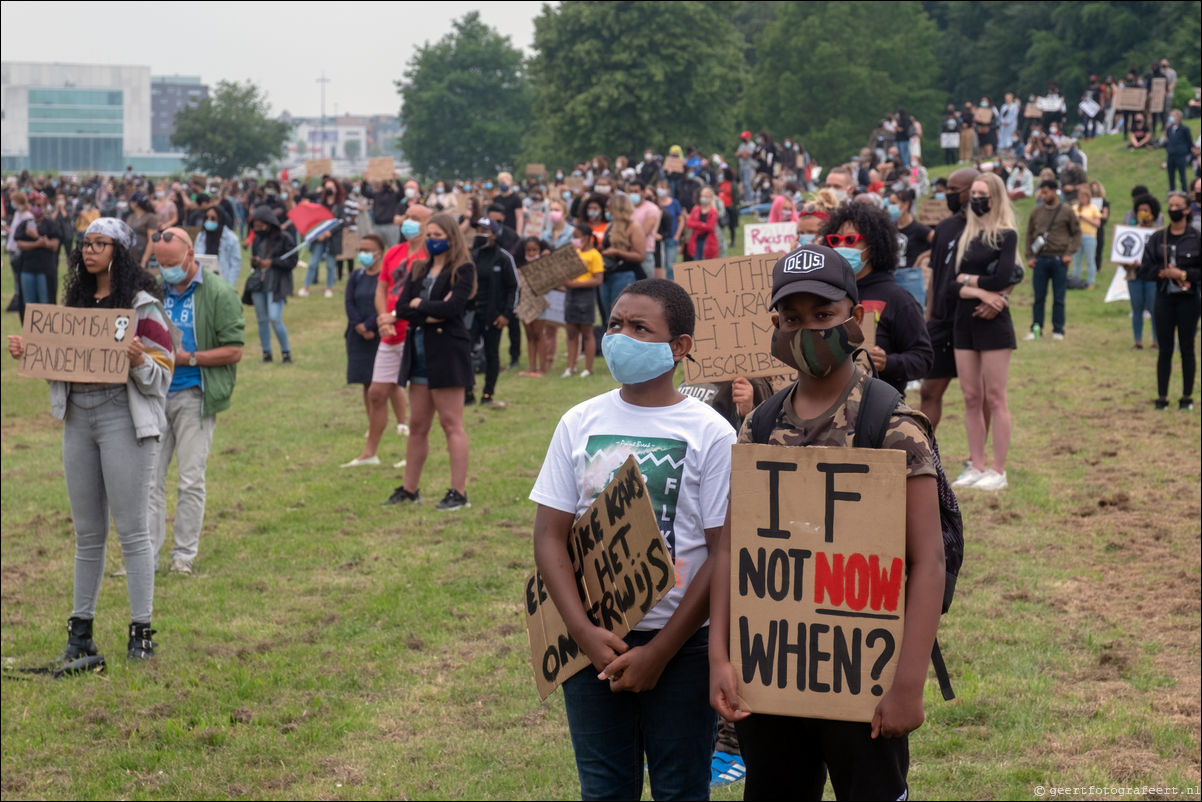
107, 469
188, 437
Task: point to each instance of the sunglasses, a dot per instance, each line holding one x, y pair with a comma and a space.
850, 240
162, 236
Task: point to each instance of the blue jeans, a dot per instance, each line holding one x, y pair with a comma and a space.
1049, 268
270, 315
671, 246
319, 251
611, 287
1087, 253
903, 150
35, 289
1143, 299
672, 725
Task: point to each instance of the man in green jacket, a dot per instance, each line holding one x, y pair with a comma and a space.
208, 313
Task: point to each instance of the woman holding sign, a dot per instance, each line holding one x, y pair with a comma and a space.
111, 433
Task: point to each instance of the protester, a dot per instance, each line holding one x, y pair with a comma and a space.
206, 310
652, 684
220, 240
328, 245
840, 181
111, 434
496, 296
817, 315
622, 249
1138, 135
913, 242
37, 239
385, 203
19, 214
1141, 283
983, 333
1178, 147
1098, 193
437, 360
671, 228
1174, 254
866, 238
1053, 236
646, 214
1089, 217
362, 333
580, 302
510, 203
273, 256
1020, 183
702, 222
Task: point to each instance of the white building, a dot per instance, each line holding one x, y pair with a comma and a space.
311, 139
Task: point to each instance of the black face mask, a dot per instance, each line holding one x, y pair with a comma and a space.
1176, 215
480, 241
954, 203
980, 206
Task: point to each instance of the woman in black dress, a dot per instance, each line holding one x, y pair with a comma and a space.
362, 331
983, 334
437, 362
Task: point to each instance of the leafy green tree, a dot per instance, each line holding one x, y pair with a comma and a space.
617, 77
832, 88
230, 131
466, 103
351, 149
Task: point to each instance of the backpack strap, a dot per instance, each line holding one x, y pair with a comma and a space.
763, 419
877, 404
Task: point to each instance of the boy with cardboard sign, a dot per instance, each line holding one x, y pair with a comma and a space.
817, 316
647, 700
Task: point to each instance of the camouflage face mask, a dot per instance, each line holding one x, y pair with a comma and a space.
817, 352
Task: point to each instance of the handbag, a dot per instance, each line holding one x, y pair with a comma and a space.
1042, 240
1017, 273
253, 284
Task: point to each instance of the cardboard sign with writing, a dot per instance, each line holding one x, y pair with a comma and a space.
316, 168
535, 170
1127, 247
674, 164
623, 568
71, 344
553, 270
932, 211
207, 262
1089, 108
574, 182
1130, 98
949, 139
1031, 111
380, 168
817, 578
982, 116
1160, 87
733, 333
350, 245
775, 238
530, 304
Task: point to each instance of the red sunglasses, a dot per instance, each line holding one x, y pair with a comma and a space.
850, 240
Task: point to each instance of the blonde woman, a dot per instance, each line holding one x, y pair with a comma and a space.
1090, 217
621, 251
983, 334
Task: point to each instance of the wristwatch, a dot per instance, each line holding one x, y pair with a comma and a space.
192, 360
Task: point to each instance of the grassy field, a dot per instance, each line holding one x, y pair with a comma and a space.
331, 648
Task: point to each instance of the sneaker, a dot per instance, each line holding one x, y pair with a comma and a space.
402, 496
1161, 404
402, 429
400, 464
287, 358
180, 566
303, 292
584, 374
357, 461
969, 478
1057, 335
1030, 336
567, 374
453, 500
1185, 404
329, 293
267, 357
140, 646
991, 480
515, 365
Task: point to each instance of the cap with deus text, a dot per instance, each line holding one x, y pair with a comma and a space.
815, 269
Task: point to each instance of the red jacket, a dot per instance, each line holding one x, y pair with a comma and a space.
707, 226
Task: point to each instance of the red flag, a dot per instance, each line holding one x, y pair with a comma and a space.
284, 175
305, 215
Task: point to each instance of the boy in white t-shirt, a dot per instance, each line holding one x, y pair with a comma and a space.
650, 699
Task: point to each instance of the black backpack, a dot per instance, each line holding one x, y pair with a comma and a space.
879, 401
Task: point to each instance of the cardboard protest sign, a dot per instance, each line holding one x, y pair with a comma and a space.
530, 304
817, 578
535, 170
733, 332
316, 168
932, 211
1031, 111
574, 182
536, 219
1130, 98
1089, 108
553, 270
872, 314
193, 232
982, 116
350, 245
623, 568
775, 238
1127, 247
1160, 87
207, 262
380, 168
949, 139
674, 164
71, 344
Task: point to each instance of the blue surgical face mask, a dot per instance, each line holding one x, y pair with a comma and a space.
894, 212
634, 361
608, 217
410, 229
210, 225
366, 259
635, 198
175, 274
853, 257
488, 185
940, 196
567, 196
804, 239
437, 246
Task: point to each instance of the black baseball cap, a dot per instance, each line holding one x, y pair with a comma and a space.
815, 269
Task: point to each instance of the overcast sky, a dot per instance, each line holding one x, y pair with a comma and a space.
282, 47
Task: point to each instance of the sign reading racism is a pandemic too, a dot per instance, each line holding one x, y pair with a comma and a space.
69, 344
733, 333
622, 568
553, 270
817, 578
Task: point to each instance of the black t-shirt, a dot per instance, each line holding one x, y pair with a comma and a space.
1139, 127
912, 243
510, 203
38, 260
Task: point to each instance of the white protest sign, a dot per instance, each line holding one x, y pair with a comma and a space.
769, 237
1128, 244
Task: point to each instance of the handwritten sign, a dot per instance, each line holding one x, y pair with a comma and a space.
1127, 247
674, 164
949, 139
530, 304
350, 245
207, 262
982, 116
818, 578
932, 211
733, 332
1130, 98
553, 270
1156, 96
1031, 111
380, 168
316, 168
623, 568
536, 170
775, 238
574, 183
1089, 108
69, 344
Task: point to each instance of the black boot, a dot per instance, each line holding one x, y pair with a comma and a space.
141, 647
79, 640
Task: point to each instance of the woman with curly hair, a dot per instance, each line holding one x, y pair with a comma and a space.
111, 433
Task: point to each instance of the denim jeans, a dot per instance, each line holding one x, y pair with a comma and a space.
1086, 254
903, 150
35, 289
1143, 299
611, 287
319, 251
672, 725
108, 470
270, 315
1049, 268
671, 246
188, 437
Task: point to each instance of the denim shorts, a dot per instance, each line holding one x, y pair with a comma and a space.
420, 374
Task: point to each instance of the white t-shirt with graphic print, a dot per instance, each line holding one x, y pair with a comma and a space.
684, 453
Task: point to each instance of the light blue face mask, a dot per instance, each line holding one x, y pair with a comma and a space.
174, 274
853, 257
634, 361
366, 259
804, 239
635, 199
894, 212
940, 196
410, 229
210, 225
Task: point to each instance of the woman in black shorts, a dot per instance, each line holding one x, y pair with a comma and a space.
983, 334
580, 301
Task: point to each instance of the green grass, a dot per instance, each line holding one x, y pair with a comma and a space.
331, 648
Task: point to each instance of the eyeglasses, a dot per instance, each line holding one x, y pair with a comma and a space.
94, 245
162, 236
850, 240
